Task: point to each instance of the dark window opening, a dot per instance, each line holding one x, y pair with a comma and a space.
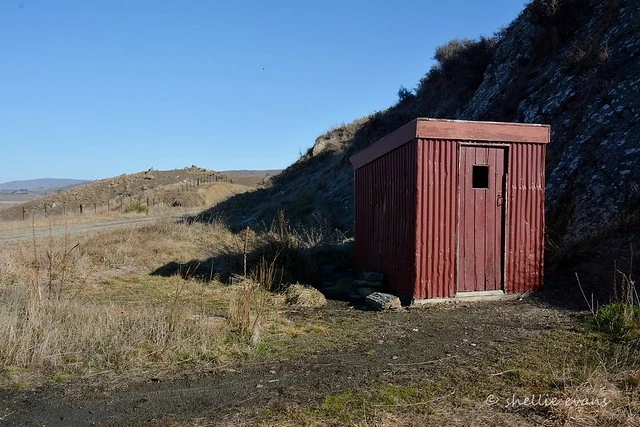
480, 176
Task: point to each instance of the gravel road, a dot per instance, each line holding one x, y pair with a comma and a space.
27, 233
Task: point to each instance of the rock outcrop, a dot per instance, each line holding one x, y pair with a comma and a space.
571, 63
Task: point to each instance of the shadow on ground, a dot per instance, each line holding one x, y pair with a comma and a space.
319, 266
202, 270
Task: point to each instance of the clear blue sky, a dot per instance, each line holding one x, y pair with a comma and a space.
90, 89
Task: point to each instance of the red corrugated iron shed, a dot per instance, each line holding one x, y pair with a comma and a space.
445, 208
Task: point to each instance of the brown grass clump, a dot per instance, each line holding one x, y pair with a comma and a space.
304, 296
248, 310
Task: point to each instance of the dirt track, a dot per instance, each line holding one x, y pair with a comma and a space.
402, 347
27, 232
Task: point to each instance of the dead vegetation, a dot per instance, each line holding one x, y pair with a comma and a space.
78, 306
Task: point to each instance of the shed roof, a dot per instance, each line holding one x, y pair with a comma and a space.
460, 130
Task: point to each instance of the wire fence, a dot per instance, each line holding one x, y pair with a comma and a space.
122, 202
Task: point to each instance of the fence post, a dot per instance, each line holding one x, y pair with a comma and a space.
80, 208
24, 213
95, 208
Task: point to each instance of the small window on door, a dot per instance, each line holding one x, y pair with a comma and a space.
480, 176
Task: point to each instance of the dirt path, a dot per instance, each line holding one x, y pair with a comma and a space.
392, 347
27, 233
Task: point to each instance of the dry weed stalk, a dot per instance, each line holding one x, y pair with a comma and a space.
47, 267
248, 309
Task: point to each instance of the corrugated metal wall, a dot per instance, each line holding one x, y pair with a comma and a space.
436, 225
407, 197
385, 195
525, 217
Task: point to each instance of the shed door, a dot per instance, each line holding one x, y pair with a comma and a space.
481, 222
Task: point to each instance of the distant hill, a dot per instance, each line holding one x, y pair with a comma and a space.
191, 187
41, 184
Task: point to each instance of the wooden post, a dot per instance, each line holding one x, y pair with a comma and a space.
95, 208
24, 213
80, 208
147, 201
45, 210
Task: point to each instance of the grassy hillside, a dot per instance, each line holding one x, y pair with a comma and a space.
188, 188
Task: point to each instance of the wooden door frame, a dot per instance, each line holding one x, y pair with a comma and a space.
505, 223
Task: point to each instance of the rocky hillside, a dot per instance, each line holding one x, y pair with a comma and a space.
573, 64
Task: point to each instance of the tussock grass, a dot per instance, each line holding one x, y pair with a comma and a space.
137, 208
75, 307
304, 296
82, 337
249, 310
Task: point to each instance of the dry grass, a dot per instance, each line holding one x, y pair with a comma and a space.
82, 337
78, 306
249, 310
280, 253
304, 296
152, 245
40, 222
